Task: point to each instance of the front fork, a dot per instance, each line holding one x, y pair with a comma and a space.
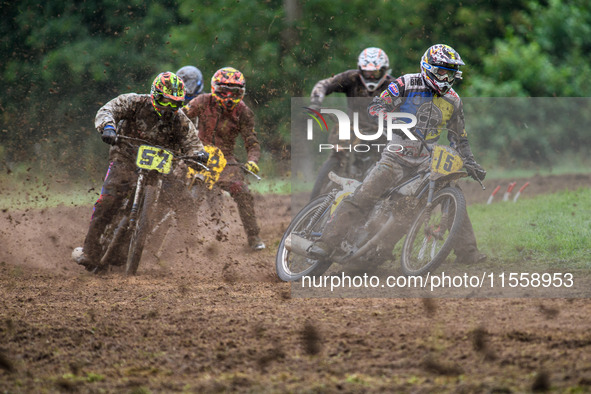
444, 213
137, 198
139, 191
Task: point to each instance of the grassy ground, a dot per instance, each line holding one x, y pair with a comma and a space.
554, 227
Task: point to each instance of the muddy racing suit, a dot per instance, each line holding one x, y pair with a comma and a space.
434, 114
348, 82
136, 117
220, 127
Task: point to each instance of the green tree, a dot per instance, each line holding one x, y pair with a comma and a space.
64, 60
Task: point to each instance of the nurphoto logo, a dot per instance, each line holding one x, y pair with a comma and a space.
394, 121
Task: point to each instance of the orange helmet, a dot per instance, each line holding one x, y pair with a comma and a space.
228, 87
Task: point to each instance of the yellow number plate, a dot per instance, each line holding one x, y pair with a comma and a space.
445, 160
216, 163
153, 158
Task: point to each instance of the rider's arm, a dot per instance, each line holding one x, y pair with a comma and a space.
457, 135
389, 100
193, 108
249, 135
339, 83
115, 110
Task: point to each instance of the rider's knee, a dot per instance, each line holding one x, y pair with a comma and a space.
238, 188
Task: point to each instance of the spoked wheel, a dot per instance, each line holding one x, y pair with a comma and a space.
290, 266
432, 234
140, 231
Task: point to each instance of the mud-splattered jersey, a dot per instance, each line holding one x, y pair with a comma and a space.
348, 82
434, 113
134, 116
220, 127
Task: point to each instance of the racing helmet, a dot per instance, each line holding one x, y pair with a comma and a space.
373, 64
167, 92
440, 67
227, 87
193, 79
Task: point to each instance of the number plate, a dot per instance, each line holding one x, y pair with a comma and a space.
445, 160
153, 158
216, 163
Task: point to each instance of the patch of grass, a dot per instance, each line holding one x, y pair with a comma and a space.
70, 381
38, 193
549, 228
279, 186
569, 164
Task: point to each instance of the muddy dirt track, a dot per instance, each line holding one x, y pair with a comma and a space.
210, 316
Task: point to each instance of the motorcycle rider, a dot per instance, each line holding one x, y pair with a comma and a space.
222, 116
193, 79
153, 117
370, 78
430, 96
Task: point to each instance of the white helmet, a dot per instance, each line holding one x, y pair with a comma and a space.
373, 66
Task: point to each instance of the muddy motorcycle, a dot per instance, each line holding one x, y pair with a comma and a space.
123, 241
197, 183
355, 165
427, 207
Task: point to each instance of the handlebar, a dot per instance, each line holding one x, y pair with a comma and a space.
243, 167
185, 158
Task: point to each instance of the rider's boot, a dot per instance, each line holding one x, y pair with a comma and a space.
256, 243
465, 247
80, 257
89, 255
245, 202
344, 218
351, 212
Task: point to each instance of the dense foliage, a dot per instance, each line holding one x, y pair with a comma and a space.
63, 60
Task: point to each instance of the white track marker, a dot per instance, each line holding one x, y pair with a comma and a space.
508, 192
520, 190
492, 195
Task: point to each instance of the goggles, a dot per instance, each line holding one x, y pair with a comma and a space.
167, 102
445, 73
229, 92
372, 74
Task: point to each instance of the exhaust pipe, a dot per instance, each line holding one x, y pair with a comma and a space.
298, 245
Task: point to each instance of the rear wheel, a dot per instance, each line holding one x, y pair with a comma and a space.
291, 266
433, 232
140, 230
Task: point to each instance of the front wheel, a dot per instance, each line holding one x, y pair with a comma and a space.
433, 232
290, 266
140, 230
114, 243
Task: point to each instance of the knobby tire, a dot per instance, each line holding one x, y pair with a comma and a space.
458, 204
140, 231
283, 257
114, 250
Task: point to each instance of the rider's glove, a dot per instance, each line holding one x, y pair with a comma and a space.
202, 157
109, 135
252, 167
315, 106
475, 170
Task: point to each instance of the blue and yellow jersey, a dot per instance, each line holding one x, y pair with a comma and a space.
434, 113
